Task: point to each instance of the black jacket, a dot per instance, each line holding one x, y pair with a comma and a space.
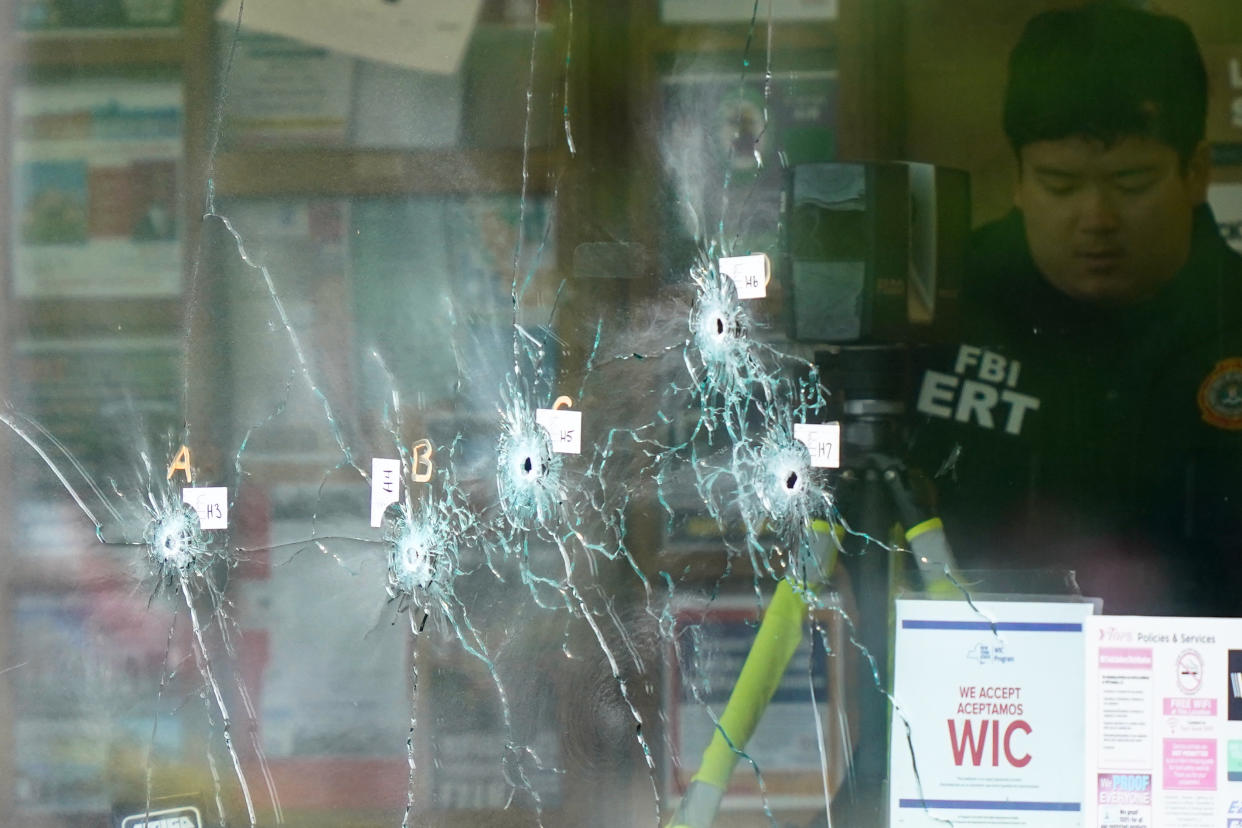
1114, 448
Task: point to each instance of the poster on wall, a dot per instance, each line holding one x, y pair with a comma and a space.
987, 723
1164, 722
96, 167
283, 91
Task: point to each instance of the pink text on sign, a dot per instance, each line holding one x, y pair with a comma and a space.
1189, 707
1125, 658
1190, 764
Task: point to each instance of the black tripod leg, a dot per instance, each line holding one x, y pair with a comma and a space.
860, 802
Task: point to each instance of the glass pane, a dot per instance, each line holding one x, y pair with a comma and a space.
560, 412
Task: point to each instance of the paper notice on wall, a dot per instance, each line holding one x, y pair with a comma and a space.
430, 35
1163, 722
992, 694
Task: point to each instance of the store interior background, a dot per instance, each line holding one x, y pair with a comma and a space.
404, 186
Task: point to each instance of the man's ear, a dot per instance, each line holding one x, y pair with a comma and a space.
1199, 172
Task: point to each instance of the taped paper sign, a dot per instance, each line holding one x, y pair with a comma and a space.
428, 36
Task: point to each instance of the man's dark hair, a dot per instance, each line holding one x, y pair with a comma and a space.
1107, 71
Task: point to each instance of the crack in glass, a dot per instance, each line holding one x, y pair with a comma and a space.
543, 568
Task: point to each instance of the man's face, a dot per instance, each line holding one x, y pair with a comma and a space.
1108, 224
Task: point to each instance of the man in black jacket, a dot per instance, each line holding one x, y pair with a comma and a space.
1092, 418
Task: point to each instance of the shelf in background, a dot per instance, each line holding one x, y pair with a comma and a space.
721, 37
116, 47
82, 317
346, 172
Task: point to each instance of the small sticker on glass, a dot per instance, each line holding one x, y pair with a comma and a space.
750, 274
564, 427
823, 440
385, 486
211, 503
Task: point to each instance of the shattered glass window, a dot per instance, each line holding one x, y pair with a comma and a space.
483, 412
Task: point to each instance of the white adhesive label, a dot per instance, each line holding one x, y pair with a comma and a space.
564, 427
187, 816
749, 273
211, 503
823, 440
385, 487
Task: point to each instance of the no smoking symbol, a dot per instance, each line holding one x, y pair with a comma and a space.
1189, 671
